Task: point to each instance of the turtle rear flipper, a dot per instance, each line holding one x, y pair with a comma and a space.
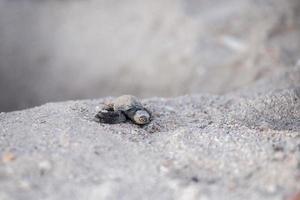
110, 117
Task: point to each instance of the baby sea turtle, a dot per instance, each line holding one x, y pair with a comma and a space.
123, 108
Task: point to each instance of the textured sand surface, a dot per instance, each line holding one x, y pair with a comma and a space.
243, 145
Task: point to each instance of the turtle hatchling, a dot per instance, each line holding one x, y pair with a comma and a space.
123, 108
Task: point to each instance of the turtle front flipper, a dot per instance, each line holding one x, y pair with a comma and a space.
110, 117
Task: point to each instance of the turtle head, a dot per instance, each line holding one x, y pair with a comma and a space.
141, 117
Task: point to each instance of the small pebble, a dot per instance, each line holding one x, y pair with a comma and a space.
8, 157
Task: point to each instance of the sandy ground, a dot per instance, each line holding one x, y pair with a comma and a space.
242, 145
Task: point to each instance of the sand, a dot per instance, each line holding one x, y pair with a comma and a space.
241, 145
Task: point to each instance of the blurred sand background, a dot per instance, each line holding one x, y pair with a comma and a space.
74, 49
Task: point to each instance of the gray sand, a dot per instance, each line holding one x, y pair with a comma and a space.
242, 145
